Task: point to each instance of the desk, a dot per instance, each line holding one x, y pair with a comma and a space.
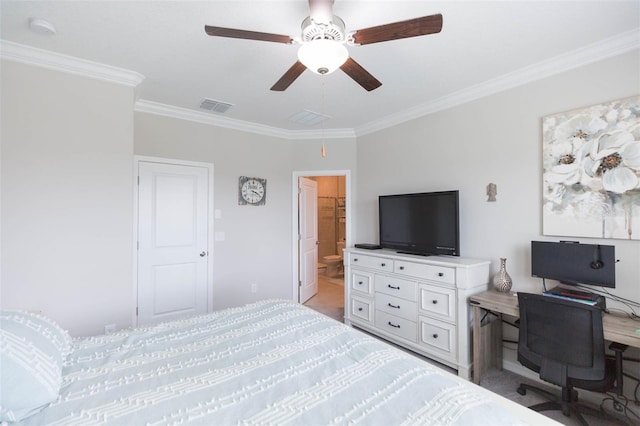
616, 328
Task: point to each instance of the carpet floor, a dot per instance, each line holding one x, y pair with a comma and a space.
505, 383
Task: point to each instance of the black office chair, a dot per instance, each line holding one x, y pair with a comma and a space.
563, 341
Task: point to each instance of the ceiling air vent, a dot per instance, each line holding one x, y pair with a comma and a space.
308, 118
215, 106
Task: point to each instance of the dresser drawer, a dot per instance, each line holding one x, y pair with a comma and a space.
362, 282
438, 302
396, 287
396, 325
438, 336
396, 306
372, 262
440, 274
361, 309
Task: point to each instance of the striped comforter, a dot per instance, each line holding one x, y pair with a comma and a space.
271, 362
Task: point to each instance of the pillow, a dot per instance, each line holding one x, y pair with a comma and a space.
32, 351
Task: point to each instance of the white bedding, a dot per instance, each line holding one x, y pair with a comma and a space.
271, 362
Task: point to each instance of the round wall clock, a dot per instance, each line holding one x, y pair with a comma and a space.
252, 190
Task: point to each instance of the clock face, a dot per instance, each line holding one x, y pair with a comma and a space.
252, 190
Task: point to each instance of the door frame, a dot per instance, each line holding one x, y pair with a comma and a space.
295, 294
137, 159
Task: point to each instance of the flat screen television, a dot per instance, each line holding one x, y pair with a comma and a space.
574, 263
423, 223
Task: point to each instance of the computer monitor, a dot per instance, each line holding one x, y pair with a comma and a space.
574, 263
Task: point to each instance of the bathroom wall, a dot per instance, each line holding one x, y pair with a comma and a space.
331, 220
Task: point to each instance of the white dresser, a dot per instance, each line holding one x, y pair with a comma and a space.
418, 302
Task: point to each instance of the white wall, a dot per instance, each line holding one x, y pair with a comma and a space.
495, 139
67, 146
259, 240
257, 246
67, 149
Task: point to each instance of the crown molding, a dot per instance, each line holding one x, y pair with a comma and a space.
68, 64
610, 47
156, 108
595, 52
607, 48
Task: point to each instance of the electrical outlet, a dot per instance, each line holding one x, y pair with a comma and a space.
109, 328
254, 288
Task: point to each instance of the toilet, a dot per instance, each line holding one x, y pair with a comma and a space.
334, 261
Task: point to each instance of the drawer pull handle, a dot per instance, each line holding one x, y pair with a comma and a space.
360, 282
435, 336
441, 274
395, 288
355, 259
360, 309
394, 306
402, 268
435, 302
392, 324
383, 264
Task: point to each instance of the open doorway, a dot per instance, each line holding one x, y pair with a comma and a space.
332, 224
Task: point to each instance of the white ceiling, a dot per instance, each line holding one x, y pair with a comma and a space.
484, 47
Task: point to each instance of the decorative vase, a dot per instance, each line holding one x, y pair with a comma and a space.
502, 280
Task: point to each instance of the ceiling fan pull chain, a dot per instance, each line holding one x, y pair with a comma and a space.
323, 150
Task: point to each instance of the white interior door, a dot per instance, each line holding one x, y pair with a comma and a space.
172, 241
308, 241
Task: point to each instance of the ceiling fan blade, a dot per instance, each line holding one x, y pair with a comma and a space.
247, 35
289, 77
404, 29
360, 75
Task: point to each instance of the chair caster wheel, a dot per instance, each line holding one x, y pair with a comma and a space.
521, 390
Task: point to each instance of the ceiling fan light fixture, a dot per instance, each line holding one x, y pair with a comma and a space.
323, 56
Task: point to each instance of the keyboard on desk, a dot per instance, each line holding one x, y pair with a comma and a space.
577, 296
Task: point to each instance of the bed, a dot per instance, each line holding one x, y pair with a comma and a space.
271, 362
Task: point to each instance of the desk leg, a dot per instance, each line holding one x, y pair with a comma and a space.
477, 345
497, 343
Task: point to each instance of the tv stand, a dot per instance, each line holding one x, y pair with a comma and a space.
416, 302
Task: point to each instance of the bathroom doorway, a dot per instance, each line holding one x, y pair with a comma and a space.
333, 230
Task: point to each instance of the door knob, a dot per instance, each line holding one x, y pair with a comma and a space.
203, 254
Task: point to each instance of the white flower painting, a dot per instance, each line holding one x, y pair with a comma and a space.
591, 171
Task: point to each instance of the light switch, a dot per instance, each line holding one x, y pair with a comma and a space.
217, 214
219, 236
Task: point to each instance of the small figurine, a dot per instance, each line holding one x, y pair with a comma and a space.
492, 190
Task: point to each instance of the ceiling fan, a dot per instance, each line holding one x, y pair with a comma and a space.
323, 41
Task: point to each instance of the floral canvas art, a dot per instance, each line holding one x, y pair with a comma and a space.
591, 171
